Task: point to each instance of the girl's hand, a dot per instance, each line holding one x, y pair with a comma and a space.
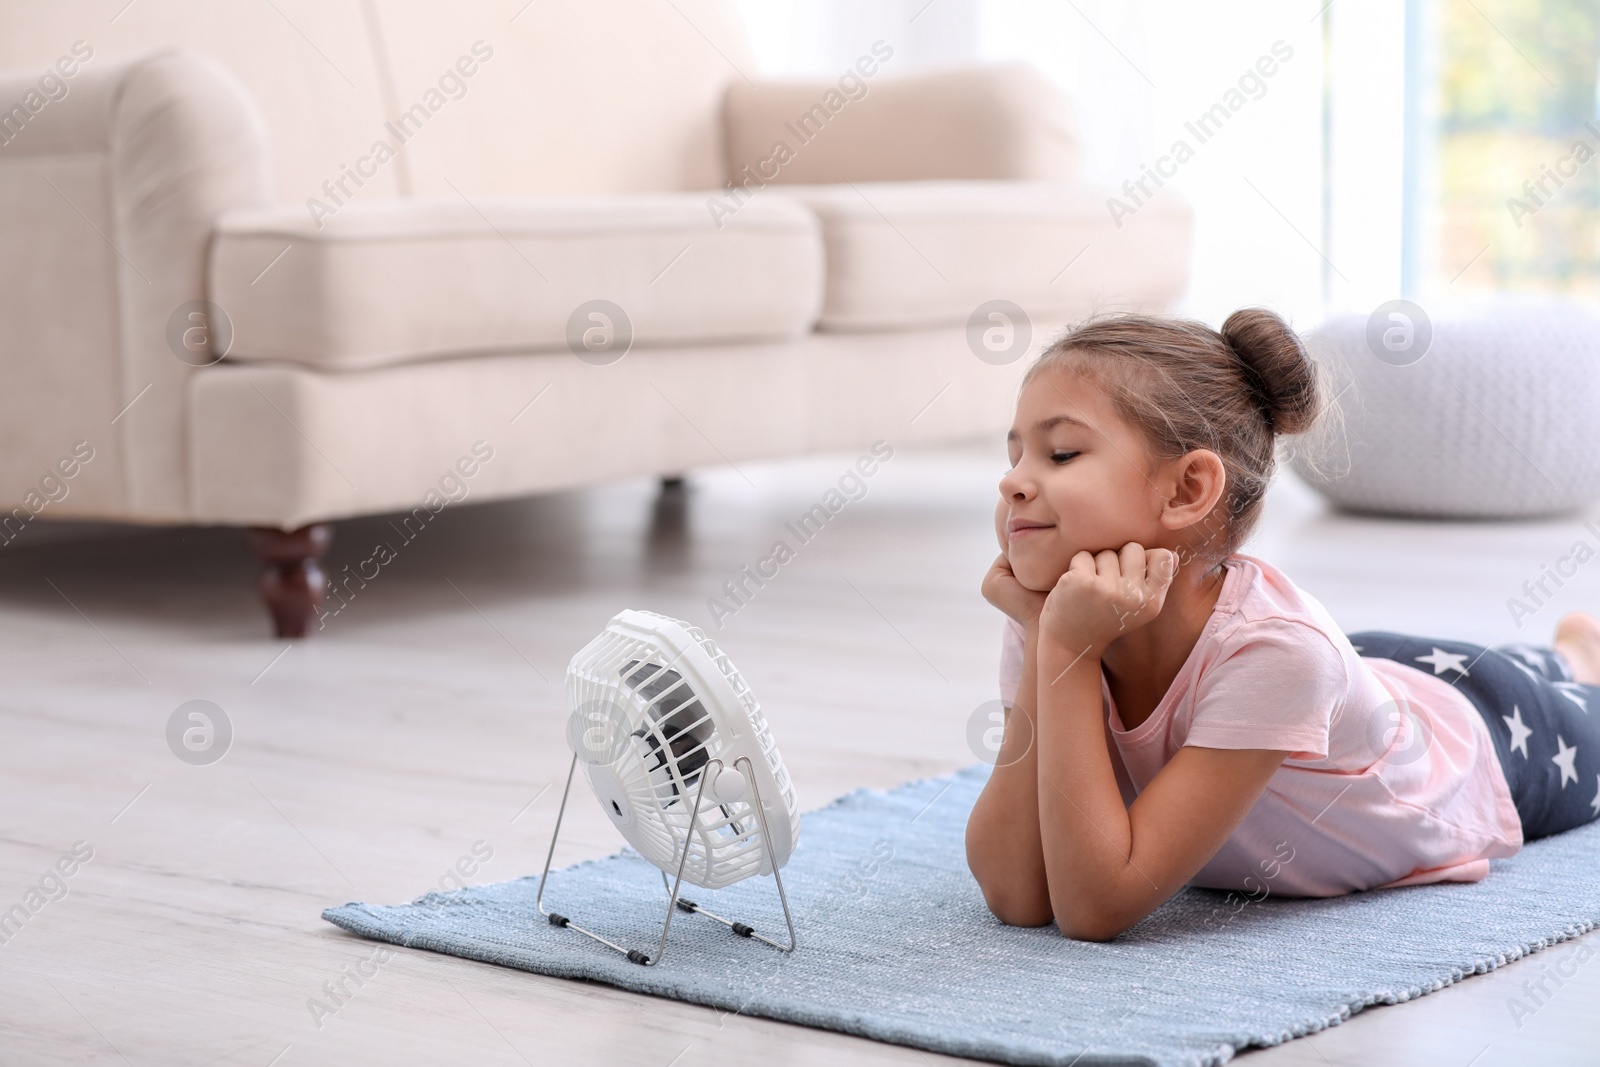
1103, 596
1001, 588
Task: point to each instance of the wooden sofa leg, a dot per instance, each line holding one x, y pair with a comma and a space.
292, 584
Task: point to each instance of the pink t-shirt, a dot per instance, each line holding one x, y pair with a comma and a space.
1391, 777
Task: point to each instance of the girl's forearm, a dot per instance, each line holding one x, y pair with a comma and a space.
1003, 842
1085, 833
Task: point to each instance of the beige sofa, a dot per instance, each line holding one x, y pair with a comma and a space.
274, 264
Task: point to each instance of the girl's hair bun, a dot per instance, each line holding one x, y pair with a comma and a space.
1277, 367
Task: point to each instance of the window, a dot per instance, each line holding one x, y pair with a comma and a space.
1518, 145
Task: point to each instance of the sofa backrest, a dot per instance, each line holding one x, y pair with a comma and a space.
580, 96
475, 96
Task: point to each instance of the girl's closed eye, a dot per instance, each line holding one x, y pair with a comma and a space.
1061, 456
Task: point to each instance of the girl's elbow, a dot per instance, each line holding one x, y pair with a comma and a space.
1092, 926
1013, 904
1091, 932
1020, 912
1023, 908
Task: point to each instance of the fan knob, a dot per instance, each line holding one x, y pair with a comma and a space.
729, 786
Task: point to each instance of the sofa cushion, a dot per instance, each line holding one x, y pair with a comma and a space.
914, 254
399, 280
280, 445
986, 122
575, 97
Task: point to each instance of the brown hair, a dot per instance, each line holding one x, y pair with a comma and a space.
1187, 386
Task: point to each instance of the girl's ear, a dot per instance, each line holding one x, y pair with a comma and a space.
1195, 483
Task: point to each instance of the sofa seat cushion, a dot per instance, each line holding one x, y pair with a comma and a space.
920, 254
390, 439
401, 280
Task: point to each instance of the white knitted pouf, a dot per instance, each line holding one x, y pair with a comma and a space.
1498, 418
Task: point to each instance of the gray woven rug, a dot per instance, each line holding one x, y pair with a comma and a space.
896, 944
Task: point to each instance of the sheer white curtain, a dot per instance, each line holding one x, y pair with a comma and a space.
1142, 73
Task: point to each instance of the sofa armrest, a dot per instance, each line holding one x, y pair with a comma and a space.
981, 122
112, 172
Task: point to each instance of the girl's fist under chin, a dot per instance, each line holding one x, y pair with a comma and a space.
1107, 594
1001, 588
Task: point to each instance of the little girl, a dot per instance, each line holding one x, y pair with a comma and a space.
1180, 714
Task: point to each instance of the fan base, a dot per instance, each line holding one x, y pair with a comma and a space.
675, 902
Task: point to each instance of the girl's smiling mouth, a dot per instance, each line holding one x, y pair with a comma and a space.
1018, 527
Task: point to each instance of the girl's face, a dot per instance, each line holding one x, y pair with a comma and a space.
1080, 480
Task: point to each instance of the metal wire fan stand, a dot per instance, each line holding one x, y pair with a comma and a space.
675, 902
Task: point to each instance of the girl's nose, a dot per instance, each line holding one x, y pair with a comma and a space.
1014, 486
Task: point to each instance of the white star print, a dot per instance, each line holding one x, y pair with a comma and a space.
1531, 655
1595, 803
1441, 660
1519, 731
1570, 690
1525, 669
1563, 759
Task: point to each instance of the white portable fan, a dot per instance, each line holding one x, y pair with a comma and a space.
680, 758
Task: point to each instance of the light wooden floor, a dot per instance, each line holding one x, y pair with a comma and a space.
428, 717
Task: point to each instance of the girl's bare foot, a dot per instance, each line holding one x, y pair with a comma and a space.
1578, 639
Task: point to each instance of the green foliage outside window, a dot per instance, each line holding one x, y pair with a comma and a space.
1519, 145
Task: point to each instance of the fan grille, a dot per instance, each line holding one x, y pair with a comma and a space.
660, 723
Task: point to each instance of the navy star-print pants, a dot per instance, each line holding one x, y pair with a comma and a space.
1546, 727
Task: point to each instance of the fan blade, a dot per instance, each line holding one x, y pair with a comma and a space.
682, 720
